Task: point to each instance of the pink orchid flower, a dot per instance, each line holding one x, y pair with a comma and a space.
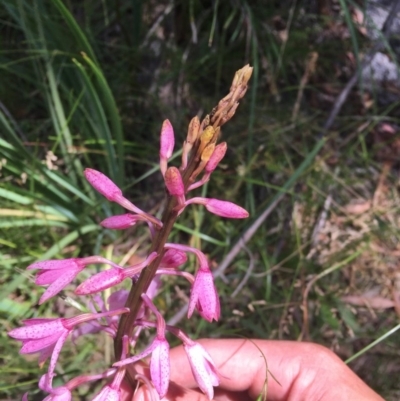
59, 273
204, 295
47, 336
111, 277
203, 368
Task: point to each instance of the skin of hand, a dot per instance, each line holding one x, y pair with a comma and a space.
305, 371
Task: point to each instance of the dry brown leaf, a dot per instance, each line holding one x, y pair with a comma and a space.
358, 207
376, 302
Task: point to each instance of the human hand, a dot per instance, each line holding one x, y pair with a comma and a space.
305, 371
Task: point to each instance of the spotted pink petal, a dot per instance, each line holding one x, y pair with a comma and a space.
38, 330
102, 184
203, 368
204, 295
33, 346
54, 264
160, 366
46, 277
101, 281
57, 285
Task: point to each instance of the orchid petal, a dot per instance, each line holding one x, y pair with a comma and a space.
37, 331
102, 184
57, 285
160, 367
203, 368
101, 281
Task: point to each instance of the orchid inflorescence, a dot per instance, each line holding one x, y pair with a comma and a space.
129, 312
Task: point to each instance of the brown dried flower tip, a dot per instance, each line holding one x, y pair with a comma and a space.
227, 106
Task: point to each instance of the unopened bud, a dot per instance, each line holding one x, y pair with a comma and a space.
205, 138
236, 79
103, 185
229, 114
220, 208
173, 182
193, 130
167, 140
247, 71
216, 157
207, 152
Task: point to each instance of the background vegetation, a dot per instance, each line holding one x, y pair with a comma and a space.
88, 83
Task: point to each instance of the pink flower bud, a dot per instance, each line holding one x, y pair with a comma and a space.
103, 184
226, 209
220, 208
122, 221
111, 277
167, 140
173, 182
216, 157
101, 281
173, 258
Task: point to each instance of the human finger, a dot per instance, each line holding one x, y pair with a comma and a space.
302, 370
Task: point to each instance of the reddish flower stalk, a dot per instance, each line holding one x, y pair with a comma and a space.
128, 314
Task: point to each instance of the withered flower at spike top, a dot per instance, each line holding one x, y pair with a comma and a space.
227, 106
